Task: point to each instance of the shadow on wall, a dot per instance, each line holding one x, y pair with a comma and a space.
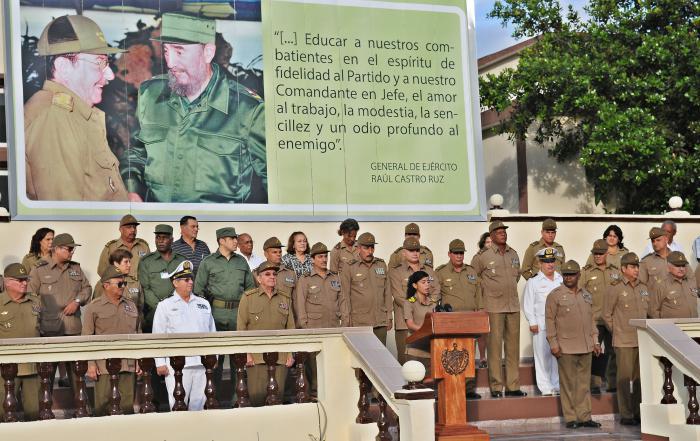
503, 179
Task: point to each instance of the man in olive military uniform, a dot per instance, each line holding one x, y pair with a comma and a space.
498, 267
597, 278
653, 267
202, 134
531, 264
426, 256
263, 308
121, 259
127, 241
626, 300
366, 289
676, 295
345, 251
286, 278
19, 318
573, 336
112, 314
66, 150
398, 284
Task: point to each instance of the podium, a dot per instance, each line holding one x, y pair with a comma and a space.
452, 336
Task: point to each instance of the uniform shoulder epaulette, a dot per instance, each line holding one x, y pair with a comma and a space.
377, 259
397, 264
333, 273
337, 246
138, 239
482, 251
615, 282
250, 291
149, 255
613, 266
62, 100
647, 256
588, 266
535, 243
40, 263
96, 300
426, 248
113, 241
397, 250
440, 267
285, 293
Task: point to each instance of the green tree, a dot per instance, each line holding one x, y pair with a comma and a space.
618, 89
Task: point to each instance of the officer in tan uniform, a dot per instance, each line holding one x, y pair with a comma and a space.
66, 150
398, 282
498, 267
676, 295
345, 251
286, 279
426, 256
127, 241
531, 264
112, 314
627, 299
262, 308
19, 318
366, 290
573, 336
653, 267
597, 278
121, 259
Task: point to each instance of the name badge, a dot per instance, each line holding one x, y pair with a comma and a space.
587, 297
202, 306
644, 293
380, 271
73, 273
289, 279
335, 284
471, 277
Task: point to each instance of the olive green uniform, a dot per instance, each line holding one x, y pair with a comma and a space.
425, 257
368, 296
318, 302
133, 292
610, 259
342, 255
258, 312
416, 311
138, 250
286, 280
674, 298
102, 317
19, 320
571, 328
653, 268
155, 288
30, 260
531, 264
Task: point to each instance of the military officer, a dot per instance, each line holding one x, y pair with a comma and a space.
653, 267
366, 289
261, 308
345, 251
19, 318
121, 259
426, 256
127, 241
573, 336
286, 278
398, 284
531, 264
112, 313
67, 155
498, 267
202, 134
676, 295
627, 299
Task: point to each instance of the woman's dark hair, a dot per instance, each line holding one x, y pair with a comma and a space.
35, 245
482, 240
617, 231
347, 226
415, 277
118, 255
290, 243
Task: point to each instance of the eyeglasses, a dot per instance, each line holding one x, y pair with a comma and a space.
69, 249
121, 284
102, 63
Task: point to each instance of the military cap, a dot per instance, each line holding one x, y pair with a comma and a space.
570, 267
318, 248
676, 258
411, 244
16, 271
111, 273
226, 232
70, 34
266, 265
653, 233
412, 229
366, 239
180, 28
600, 246
272, 242
456, 246
629, 259
64, 240
496, 225
163, 229
547, 254
549, 225
184, 269
128, 220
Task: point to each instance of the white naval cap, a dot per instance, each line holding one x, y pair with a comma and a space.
184, 269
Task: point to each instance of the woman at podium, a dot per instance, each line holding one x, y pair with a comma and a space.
417, 305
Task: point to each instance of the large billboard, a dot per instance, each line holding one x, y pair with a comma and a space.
246, 110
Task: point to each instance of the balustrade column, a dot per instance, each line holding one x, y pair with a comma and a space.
693, 417
242, 395
80, 398
273, 389
147, 365
363, 403
114, 366
668, 382
209, 361
301, 383
45, 393
9, 404
178, 364
383, 422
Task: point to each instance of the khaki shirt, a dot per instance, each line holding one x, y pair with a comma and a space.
366, 291
597, 281
341, 256
425, 257
132, 291
531, 263
398, 282
286, 281
674, 298
416, 311
461, 290
258, 312
499, 274
610, 259
569, 319
139, 249
59, 285
102, 317
652, 269
318, 302
20, 320
625, 301
67, 155
31, 260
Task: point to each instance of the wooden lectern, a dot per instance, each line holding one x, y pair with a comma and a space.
452, 336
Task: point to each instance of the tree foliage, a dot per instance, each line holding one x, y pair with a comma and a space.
618, 88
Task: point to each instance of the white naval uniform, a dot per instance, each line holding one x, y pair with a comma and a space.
174, 315
534, 298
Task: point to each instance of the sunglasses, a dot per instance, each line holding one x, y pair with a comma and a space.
121, 284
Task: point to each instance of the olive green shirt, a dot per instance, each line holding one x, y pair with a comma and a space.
531, 263
132, 291
569, 321
398, 282
499, 274
155, 288
598, 281
342, 255
258, 312
625, 301
139, 249
318, 302
461, 290
425, 257
365, 287
30, 260
674, 298
20, 320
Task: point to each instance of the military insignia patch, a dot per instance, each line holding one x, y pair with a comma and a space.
36, 309
187, 265
471, 277
73, 273
429, 262
644, 293
289, 279
515, 262
380, 271
202, 306
335, 284
615, 276
284, 306
142, 253
694, 291
128, 308
587, 297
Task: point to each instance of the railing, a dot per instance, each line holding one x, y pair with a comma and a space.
351, 362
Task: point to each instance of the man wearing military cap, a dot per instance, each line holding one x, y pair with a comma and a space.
675, 295
19, 318
66, 150
286, 278
425, 257
398, 284
627, 299
531, 263
128, 226
202, 134
535, 295
498, 267
366, 289
572, 337
653, 267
